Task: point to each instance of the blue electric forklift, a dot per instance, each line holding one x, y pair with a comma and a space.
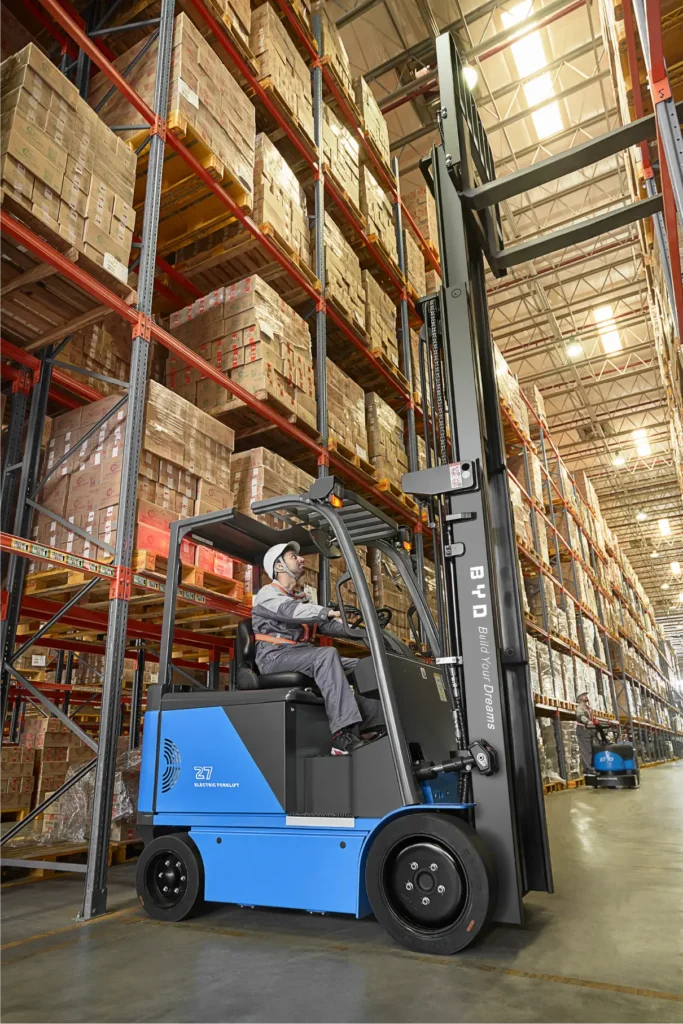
437, 828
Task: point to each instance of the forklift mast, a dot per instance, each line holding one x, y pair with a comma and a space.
467, 491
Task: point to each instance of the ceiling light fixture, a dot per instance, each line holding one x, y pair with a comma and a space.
470, 75
676, 568
609, 336
642, 444
529, 56
664, 527
654, 554
574, 350
665, 586
641, 516
680, 597
619, 460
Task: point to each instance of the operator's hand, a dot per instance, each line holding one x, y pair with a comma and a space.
333, 614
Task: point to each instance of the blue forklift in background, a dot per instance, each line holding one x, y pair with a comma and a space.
438, 828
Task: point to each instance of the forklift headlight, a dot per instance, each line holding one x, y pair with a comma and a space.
335, 501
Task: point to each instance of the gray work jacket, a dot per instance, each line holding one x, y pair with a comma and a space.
289, 615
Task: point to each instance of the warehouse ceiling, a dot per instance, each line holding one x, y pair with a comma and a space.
578, 323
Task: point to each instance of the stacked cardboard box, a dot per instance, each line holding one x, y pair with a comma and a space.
280, 62
105, 348
236, 13
279, 199
204, 99
376, 209
421, 206
16, 777
49, 741
348, 590
510, 393
257, 474
373, 118
380, 319
415, 356
388, 591
340, 153
346, 411
184, 470
62, 166
432, 281
333, 48
415, 264
249, 332
386, 442
343, 281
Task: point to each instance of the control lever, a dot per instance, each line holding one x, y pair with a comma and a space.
479, 755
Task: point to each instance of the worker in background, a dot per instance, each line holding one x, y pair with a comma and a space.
285, 622
586, 728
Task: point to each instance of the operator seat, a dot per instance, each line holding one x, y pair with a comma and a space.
247, 675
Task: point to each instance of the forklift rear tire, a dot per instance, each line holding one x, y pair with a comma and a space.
170, 878
430, 882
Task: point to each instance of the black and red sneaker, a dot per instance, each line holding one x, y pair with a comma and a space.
346, 741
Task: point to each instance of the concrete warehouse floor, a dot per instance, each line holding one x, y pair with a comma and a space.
605, 947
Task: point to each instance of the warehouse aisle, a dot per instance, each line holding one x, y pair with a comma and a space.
606, 947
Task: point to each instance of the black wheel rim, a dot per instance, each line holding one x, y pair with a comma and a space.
166, 879
424, 884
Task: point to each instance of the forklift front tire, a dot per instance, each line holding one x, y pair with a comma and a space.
170, 878
430, 882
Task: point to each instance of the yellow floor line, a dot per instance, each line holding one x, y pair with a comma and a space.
67, 928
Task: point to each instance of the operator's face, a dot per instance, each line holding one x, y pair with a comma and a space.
294, 563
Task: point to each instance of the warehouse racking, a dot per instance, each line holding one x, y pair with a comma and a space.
48, 380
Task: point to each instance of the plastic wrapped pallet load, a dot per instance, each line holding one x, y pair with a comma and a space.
380, 319
346, 411
249, 332
376, 209
343, 280
341, 154
422, 208
386, 442
62, 169
184, 471
281, 63
208, 110
373, 119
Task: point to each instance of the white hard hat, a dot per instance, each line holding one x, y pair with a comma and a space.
272, 555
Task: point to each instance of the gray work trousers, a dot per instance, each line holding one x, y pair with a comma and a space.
329, 671
585, 739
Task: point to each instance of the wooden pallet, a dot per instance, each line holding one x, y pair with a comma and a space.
335, 332
58, 580
206, 580
39, 305
347, 455
554, 787
576, 783
266, 122
368, 256
390, 487
252, 431
241, 255
63, 853
189, 210
14, 813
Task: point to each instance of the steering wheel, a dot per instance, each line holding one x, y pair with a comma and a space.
353, 614
384, 616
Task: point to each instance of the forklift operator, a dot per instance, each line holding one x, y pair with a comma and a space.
285, 622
